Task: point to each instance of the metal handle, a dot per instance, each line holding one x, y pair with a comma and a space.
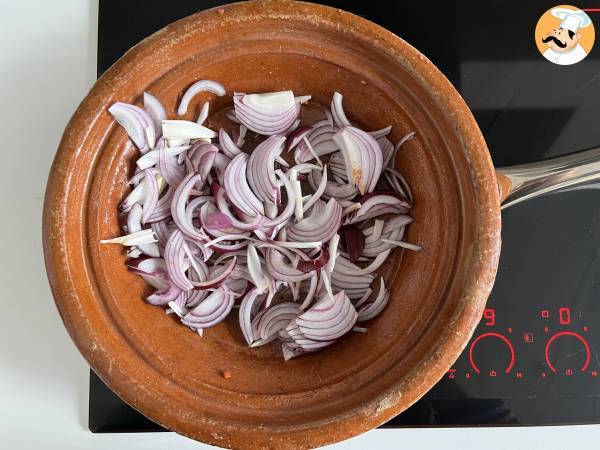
576, 170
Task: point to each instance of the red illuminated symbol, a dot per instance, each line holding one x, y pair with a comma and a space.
467, 375
492, 373
451, 373
543, 374
545, 329
490, 315
544, 313
528, 337
496, 335
575, 335
564, 316
509, 329
585, 328
519, 374
594, 373
569, 372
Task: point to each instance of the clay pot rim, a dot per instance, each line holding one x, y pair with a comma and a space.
63, 277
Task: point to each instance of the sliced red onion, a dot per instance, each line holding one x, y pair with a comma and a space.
203, 114
134, 224
227, 145
379, 203
151, 199
403, 244
276, 318
378, 134
318, 228
372, 309
314, 264
398, 183
251, 225
163, 296
329, 319
170, 171
332, 189
363, 299
267, 114
217, 280
255, 269
389, 162
135, 121
139, 238
241, 135
337, 111
279, 269
362, 157
161, 231
247, 307
387, 148
318, 192
174, 258
155, 110
178, 205
318, 142
202, 160
199, 86
295, 137
153, 270
151, 158
237, 188
261, 169
212, 310
163, 207
353, 240
184, 129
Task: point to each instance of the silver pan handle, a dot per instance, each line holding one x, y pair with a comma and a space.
573, 171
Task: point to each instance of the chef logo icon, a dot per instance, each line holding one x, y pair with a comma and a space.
564, 35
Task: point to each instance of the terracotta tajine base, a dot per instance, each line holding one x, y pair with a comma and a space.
175, 377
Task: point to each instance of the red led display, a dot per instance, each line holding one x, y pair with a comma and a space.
490, 315
564, 316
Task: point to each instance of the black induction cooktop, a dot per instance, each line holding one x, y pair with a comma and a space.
534, 359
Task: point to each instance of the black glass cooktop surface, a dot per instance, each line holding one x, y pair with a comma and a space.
534, 359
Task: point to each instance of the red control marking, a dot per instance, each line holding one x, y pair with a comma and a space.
564, 316
575, 335
496, 335
490, 315
545, 313
528, 337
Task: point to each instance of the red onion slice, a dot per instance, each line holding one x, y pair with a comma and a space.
237, 188
261, 169
391, 158
276, 318
267, 114
245, 315
317, 227
329, 319
318, 142
353, 240
379, 203
362, 157
281, 270
212, 310
184, 129
337, 111
295, 137
195, 89
372, 309
151, 200
227, 145
203, 114
255, 269
155, 110
178, 206
139, 238
332, 189
135, 121
378, 134
217, 280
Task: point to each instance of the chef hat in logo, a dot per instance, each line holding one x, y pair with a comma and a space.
570, 19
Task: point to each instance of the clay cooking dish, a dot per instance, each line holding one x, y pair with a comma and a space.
175, 377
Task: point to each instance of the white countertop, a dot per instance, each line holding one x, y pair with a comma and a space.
47, 64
